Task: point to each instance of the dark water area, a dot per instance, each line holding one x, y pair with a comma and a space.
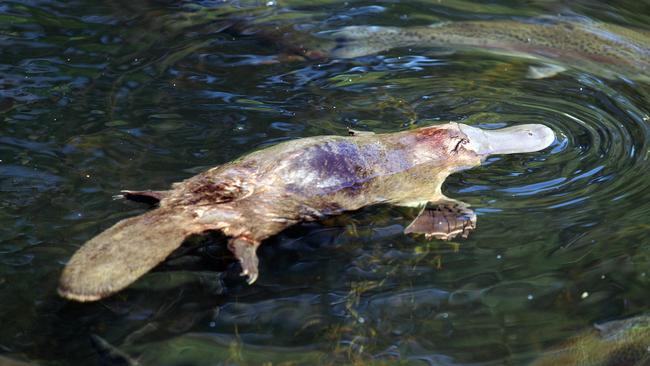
99, 96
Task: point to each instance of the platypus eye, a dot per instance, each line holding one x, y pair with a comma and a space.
461, 141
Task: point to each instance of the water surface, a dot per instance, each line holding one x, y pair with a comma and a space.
98, 96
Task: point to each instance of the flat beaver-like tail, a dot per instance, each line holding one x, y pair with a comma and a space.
121, 254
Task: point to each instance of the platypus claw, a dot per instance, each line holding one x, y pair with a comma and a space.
252, 277
250, 272
244, 251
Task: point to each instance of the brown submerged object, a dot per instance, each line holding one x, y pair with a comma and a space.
262, 193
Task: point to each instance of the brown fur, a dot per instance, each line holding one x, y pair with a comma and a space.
263, 193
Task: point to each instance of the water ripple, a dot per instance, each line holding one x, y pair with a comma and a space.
137, 95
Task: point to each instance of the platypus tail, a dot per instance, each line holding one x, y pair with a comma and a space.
118, 256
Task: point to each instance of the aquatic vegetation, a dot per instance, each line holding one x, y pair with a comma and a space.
620, 342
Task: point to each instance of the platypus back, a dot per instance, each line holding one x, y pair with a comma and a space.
118, 256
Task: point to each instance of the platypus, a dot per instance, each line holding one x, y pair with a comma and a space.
556, 43
262, 193
624, 342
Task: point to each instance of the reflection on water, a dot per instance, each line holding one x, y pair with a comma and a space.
100, 96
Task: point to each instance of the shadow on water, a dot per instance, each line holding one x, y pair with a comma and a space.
101, 96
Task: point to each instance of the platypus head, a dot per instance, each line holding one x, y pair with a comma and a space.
509, 140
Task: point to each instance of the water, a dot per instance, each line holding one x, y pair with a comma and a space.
102, 96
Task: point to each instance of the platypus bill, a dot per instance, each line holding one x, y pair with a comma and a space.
262, 193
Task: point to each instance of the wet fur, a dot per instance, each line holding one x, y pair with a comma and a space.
261, 194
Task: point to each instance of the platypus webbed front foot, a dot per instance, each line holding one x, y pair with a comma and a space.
244, 250
443, 220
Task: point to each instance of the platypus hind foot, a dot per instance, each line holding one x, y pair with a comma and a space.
443, 220
244, 250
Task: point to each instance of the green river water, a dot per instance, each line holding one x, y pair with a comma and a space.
98, 96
